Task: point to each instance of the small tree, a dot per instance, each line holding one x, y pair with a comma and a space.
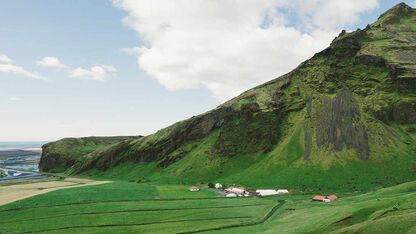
211, 185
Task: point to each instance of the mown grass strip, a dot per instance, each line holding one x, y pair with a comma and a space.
264, 219
113, 201
133, 224
132, 211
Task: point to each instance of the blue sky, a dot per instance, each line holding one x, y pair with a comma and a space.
162, 73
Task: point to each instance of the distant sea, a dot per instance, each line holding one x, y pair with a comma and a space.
20, 144
24, 161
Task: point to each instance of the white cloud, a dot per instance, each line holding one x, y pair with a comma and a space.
5, 59
131, 51
229, 46
51, 62
109, 68
13, 99
11, 68
98, 73
330, 14
6, 66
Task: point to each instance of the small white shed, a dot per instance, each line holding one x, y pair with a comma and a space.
218, 186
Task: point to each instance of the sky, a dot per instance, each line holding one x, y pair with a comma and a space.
130, 67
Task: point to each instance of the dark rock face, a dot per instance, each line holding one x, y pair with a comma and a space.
308, 130
54, 162
407, 85
340, 126
351, 42
255, 132
370, 60
404, 111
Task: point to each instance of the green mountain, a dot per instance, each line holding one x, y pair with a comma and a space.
345, 119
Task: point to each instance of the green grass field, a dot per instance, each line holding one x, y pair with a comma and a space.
128, 207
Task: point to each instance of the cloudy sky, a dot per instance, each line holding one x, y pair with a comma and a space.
130, 67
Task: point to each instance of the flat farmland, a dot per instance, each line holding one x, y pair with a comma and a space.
122, 207
129, 207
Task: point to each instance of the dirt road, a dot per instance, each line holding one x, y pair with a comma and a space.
17, 192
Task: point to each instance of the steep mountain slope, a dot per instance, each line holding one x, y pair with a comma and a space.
345, 118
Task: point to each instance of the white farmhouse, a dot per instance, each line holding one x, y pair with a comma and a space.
218, 186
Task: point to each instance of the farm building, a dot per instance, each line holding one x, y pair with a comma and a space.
218, 186
324, 198
271, 192
237, 190
266, 192
282, 191
193, 189
332, 197
230, 195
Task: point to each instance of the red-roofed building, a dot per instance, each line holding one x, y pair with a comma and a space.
193, 189
324, 198
318, 198
332, 197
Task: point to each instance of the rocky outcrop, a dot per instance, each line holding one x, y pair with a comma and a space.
62, 155
51, 162
404, 111
393, 15
339, 125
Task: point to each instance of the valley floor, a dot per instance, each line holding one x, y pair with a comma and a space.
130, 207
19, 191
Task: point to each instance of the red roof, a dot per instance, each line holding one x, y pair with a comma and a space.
318, 198
321, 198
332, 197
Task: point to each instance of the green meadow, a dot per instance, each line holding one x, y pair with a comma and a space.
129, 207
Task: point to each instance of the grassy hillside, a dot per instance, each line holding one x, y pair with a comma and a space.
59, 156
344, 119
123, 207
